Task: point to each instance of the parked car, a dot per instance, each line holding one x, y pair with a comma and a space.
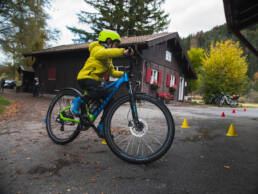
11, 84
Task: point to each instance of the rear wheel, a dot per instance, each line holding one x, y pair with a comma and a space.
62, 128
146, 141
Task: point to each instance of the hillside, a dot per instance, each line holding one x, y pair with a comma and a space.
220, 33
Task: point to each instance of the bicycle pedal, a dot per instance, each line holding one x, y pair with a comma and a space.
104, 142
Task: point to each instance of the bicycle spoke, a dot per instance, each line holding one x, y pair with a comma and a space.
145, 141
156, 140
148, 146
128, 143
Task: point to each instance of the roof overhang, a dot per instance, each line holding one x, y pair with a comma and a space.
241, 14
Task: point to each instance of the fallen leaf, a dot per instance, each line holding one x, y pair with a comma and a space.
226, 166
36, 177
28, 158
18, 171
93, 180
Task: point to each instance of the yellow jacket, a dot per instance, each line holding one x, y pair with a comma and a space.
100, 62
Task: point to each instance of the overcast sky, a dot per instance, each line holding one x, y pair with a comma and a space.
187, 16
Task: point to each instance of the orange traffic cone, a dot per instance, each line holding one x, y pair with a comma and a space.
231, 131
223, 114
234, 111
244, 109
185, 124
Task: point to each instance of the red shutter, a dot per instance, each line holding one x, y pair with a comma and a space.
148, 75
160, 78
106, 77
168, 79
51, 73
176, 82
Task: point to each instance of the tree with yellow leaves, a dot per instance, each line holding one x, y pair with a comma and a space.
196, 58
255, 82
224, 70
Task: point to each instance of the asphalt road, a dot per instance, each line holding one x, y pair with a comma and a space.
202, 160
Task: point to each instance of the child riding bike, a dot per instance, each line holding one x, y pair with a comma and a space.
97, 65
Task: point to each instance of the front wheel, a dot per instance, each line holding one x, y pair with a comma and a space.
146, 141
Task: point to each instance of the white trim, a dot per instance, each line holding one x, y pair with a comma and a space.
172, 80
168, 56
154, 76
181, 89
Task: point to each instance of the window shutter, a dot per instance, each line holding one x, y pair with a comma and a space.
148, 75
176, 82
168, 79
106, 77
160, 78
51, 73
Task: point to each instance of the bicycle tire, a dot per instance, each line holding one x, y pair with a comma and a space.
68, 94
110, 131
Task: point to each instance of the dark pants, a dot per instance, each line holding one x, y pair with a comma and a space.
95, 90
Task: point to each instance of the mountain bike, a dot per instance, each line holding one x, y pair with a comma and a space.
138, 128
228, 100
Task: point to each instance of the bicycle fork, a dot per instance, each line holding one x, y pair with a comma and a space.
133, 107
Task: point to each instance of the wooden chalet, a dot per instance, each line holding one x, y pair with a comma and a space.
162, 65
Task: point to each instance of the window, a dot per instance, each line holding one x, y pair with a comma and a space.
172, 80
117, 68
154, 76
168, 56
51, 73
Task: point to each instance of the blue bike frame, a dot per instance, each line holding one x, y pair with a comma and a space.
116, 84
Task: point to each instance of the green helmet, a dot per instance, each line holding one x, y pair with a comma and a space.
105, 34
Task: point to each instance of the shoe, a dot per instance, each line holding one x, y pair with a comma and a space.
75, 107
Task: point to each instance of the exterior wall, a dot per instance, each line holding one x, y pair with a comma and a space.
159, 63
67, 67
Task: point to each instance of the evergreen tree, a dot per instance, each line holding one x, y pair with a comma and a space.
127, 17
28, 30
